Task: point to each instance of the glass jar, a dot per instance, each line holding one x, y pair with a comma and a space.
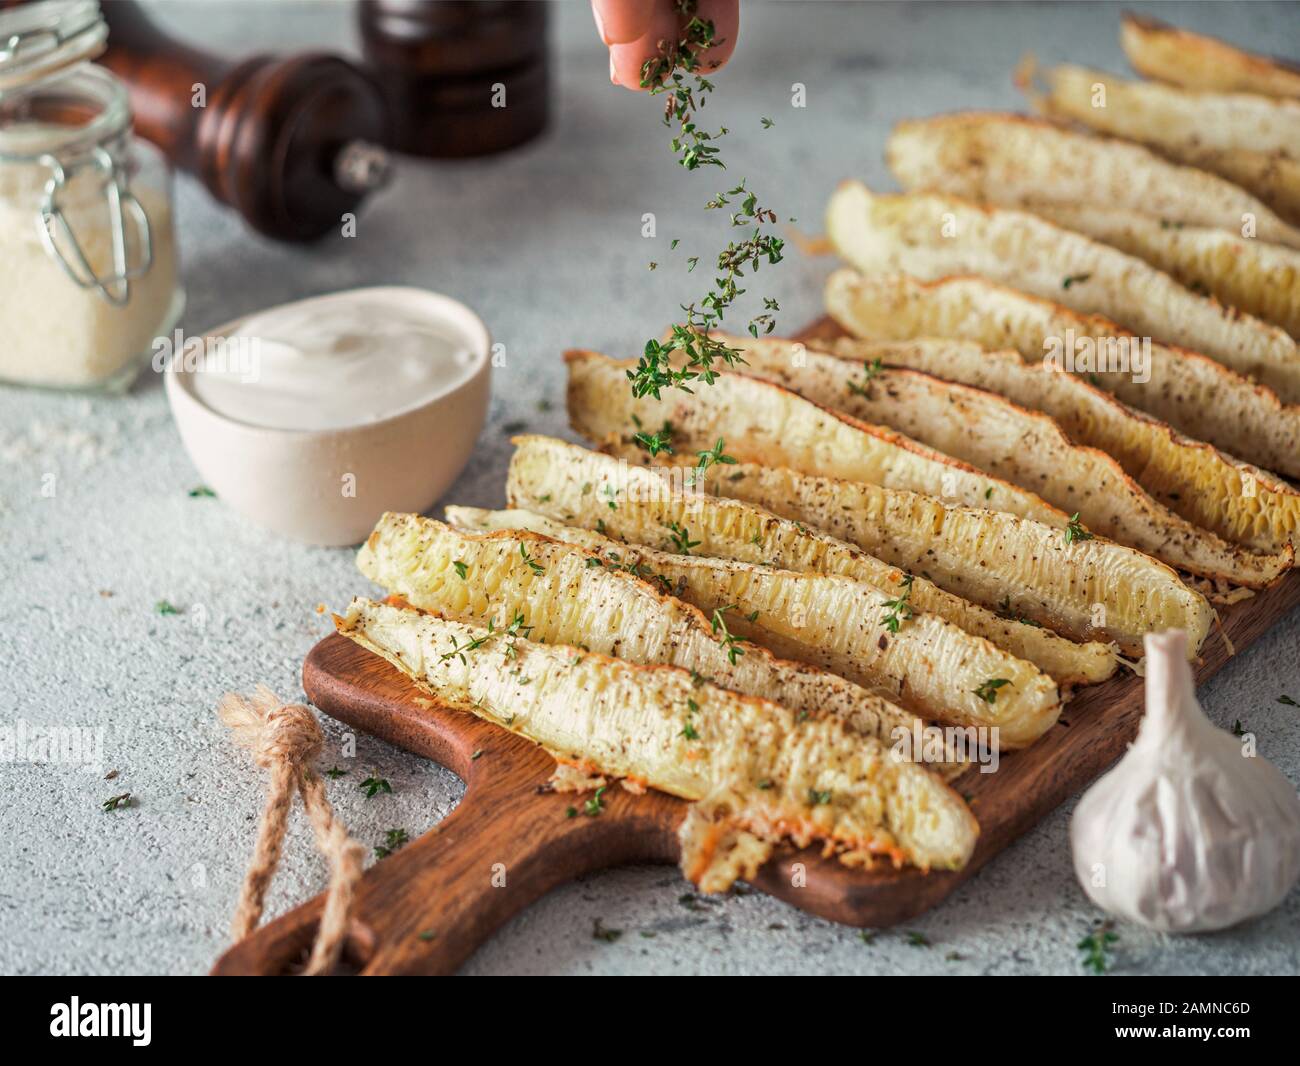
88, 274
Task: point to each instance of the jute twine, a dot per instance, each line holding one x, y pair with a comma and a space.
285, 738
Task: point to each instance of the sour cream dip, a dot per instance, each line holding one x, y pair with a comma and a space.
314, 418
332, 362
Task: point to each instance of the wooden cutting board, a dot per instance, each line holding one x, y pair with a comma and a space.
426, 908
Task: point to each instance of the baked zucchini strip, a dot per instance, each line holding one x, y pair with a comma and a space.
1024, 446
932, 236
758, 771
1180, 57
564, 599
1259, 278
1239, 502
660, 508
763, 423
1195, 395
1239, 136
1007, 159
924, 663
1172, 119
1085, 590
1274, 177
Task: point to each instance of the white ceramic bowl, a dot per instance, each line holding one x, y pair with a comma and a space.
295, 481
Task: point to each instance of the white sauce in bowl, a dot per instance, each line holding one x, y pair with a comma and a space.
332, 362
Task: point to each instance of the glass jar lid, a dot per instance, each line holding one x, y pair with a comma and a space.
37, 40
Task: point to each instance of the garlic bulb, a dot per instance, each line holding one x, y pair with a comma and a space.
1186, 833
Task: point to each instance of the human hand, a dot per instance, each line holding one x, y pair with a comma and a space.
633, 30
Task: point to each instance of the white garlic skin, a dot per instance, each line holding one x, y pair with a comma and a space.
1188, 833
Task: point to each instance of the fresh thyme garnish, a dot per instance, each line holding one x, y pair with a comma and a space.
899, 610
335, 773
372, 786
767, 123
165, 607
714, 456
869, 371
117, 803
1074, 531
458, 650
818, 798
654, 443
681, 539
394, 840
1071, 279
675, 73
1287, 701
689, 731
533, 564
595, 805
202, 491
1005, 611
461, 569
512, 632
918, 940
428, 934
1237, 729
1097, 947
730, 642
988, 690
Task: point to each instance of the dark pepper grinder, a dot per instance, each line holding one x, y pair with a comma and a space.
290, 142
462, 77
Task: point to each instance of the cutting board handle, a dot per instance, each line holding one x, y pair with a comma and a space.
427, 907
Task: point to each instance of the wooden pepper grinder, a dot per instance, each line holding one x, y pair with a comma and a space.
462, 77
291, 142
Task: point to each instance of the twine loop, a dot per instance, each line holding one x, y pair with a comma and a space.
284, 738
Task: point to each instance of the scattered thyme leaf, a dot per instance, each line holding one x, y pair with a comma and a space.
869, 371
202, 492
1098, 947
335, 773
1074, 531
533, 564
988, 690
899, 610
372, 786
118, 802
164, 607
595, 805
394, 840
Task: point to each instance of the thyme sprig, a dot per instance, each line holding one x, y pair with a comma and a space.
900, 610
675, 74
1098, 946
1074, 530
729, 640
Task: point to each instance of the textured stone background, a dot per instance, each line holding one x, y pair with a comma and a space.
546, 244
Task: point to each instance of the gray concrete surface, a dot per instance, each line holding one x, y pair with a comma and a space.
546, 244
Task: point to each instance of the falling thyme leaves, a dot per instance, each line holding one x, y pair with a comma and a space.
675, 73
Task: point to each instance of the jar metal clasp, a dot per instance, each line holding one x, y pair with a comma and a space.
114, 287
